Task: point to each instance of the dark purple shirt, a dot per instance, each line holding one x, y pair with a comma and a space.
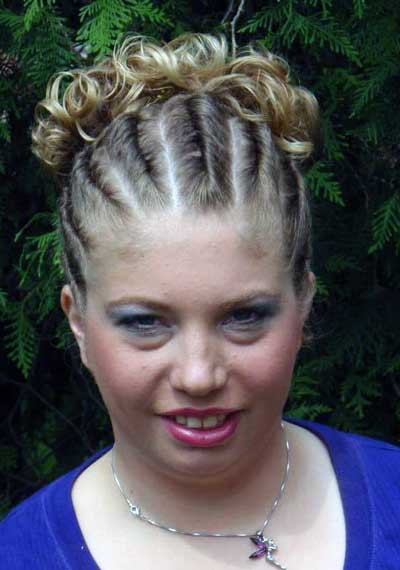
42, 533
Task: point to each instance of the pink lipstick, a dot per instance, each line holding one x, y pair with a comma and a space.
198, 412
205, 432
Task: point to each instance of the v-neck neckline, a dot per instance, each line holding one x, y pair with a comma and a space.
350, 476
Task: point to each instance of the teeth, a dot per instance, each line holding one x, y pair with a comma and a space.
210, 421
193, 422
207, 422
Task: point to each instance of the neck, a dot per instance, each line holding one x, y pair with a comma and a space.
236, 501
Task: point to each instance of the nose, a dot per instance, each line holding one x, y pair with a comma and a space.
200, 369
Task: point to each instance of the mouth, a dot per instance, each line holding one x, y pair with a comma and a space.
204, 429
194, 422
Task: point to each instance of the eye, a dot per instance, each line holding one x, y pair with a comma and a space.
250, 318
145, 324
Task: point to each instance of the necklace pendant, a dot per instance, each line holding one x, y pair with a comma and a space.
265, 547
135, 510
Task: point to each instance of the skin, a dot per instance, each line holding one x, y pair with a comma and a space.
196, 353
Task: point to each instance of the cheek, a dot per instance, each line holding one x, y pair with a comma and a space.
121, 374
270, 362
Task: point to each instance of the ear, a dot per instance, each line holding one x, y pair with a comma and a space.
313, 285
75, 319
308, 295
306, 305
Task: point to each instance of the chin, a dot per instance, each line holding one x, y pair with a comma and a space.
200, 465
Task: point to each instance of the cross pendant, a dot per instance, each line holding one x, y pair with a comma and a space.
265, 547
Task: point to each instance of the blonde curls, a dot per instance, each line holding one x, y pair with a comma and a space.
255, 86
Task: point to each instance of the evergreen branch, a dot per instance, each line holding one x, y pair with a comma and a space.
33, 11
59, 54
146, 11
14, 22
357, 394
21, 338
359, 8
335, 143
321, 287
379, 43
308, 411
44, 44
265, 19
321, 182
371, 131
373, 83
312, 29
47, 218
326, 5
337, 263
36, 254
104, 22
40, 266
385, 223
40, 272
304, 397
315, 29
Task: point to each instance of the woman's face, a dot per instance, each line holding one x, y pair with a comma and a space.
192, 340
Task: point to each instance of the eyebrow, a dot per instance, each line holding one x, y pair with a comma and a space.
248, 298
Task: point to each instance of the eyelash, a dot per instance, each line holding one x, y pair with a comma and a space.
256, 317
132, 323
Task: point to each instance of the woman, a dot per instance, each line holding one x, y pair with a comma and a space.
186, 248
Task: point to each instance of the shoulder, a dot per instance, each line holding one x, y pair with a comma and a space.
377, 460
368, 475
26, 534
335, 438
38, 533
358, 458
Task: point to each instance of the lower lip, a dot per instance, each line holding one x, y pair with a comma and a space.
203, 437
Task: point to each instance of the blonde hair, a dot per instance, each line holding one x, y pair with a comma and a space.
174, 125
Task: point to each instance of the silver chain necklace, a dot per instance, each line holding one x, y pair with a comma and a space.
266, 546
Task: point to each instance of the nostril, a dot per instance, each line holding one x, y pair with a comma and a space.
198, 378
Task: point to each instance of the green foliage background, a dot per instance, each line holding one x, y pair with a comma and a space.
348, 53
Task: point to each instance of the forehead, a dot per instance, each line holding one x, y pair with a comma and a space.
183, 254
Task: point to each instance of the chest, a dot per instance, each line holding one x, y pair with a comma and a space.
150, 549
308, 528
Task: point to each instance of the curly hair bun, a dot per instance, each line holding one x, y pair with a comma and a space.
255, 86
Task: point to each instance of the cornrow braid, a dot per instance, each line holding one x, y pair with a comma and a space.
180, 126
208, 118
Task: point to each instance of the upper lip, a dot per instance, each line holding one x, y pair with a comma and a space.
195, 412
